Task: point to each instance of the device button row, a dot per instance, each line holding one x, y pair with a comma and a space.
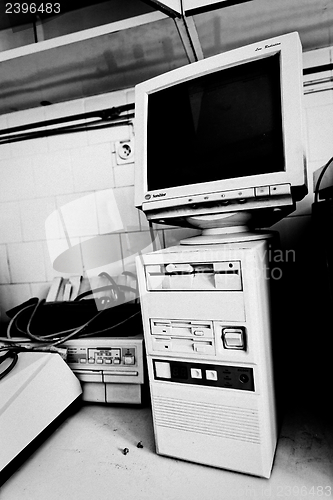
107, 361
243, 193
197, 373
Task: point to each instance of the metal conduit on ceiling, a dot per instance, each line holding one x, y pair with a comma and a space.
109, 57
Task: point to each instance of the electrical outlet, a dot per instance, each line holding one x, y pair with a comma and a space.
124, 152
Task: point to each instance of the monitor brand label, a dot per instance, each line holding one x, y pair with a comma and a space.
159, 195
268, 46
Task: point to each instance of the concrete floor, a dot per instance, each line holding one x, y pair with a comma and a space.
83, 459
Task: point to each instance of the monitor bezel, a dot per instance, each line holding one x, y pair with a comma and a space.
290, 51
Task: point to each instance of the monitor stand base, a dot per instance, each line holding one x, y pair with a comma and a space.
226, 228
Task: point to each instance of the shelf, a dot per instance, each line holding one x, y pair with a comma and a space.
125, 52
98, 60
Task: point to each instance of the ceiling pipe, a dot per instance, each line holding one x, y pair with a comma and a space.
111, 117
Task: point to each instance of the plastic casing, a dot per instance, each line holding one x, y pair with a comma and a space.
289, 48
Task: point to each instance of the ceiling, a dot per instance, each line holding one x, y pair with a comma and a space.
13, 18
110, 45
240, 24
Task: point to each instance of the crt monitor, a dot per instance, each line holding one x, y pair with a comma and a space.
219, 142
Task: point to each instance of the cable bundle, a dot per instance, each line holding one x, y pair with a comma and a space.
37, 325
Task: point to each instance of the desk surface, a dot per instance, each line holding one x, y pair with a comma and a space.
83, 459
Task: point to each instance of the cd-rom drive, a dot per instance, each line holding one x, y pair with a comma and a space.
206, 315
194, 276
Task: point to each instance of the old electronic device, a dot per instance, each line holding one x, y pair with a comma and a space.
206, 315
220, 141
37, 390
110, 369
219, 147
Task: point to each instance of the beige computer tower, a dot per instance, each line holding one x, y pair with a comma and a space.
207, 329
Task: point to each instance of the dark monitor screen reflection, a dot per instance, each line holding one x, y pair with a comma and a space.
223, 125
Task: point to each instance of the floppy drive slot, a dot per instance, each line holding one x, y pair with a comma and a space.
183, 345
104, 376
198, 329
113, 376
89, 375
192, 337
224, 275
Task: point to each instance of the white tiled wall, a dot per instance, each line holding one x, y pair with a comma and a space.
39, 176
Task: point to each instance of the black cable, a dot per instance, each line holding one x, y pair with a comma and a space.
13, 321
321, 175
42, 342
132, 275
79, 332
9, 354
119, 298
115, 286
91, 292
136, 290
57, 338
44, 338
122, 322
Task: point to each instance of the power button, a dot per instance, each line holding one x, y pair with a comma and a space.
233, 338
129, 359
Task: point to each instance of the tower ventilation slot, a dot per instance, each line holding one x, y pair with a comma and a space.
216, 420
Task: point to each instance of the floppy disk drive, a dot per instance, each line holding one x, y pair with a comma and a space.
195, 337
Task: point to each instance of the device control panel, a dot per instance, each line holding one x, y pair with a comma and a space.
231, 196
104, 355
110, 369
226, 376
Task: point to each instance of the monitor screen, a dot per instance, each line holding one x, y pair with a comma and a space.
223, 135
222, 125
